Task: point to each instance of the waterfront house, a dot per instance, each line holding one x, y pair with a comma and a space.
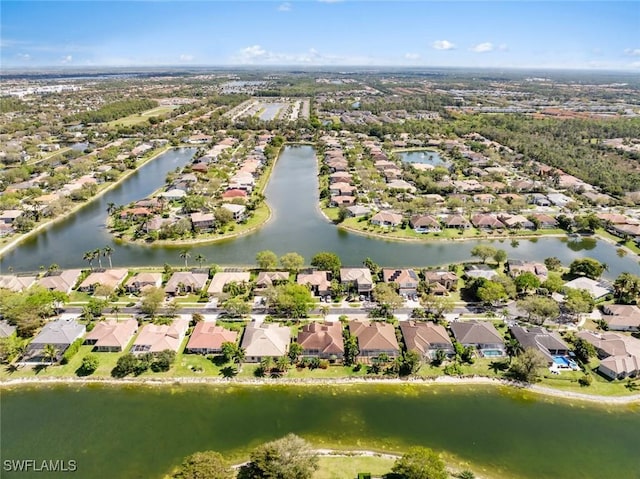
265, 340
424, 223
111, 278
62, 281
358, 279
317, 281
550, 344
266, 279
59, 334
203, 221
619, 354
207, 338
481, 335
111, 335
374, 338
545, 221
597, 289
456, 221
480, 271
238, 211
447, 279
183, 282
141, 281
426, 338
322, 340
406, 279
358, 210
234, 193
386, 219
9, 216
154, 338
486, 222
516, 221
220, 280
16, 283
339, 200
516, 267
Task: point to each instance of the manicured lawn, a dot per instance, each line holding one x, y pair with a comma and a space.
349, 467
629, 244
141, 117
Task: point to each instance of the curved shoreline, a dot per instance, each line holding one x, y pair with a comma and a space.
443, 380
35, 231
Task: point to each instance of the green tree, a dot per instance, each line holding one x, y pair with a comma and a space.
107, 251
204, 465
327, 261
89, 365
266, 259
484, 252
295, 351
152, 299
292, 300
223, 217
386, 297
500, 256
528, 365
553, 263
236, 307
589, 267
233, 353
553, 283
288, 458
292, 261
126, 365
420, 463
200, 259
578, 301
410, 363
539, 308
11, 347
626, 288
492, 292
50, 353
583, 350
437, 305
351, 350
526, 282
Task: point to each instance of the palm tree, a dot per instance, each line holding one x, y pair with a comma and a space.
50, 352
184, 254
115, 310
111, 207
54, 267
108, 251
89, 256
200, 259
324, 310
513, 348
98, 254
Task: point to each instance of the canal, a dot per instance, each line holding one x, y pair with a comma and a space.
296, 225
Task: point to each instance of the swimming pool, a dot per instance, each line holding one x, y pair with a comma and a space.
492, 353
565, 363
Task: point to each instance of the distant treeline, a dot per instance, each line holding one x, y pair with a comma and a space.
573, 146
115, 110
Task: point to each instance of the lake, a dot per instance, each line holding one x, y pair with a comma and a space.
296, 225
140, 432
428, 157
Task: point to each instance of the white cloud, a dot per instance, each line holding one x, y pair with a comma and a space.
258, 55
186, 58
284, 7
25, 57
443, 45
412, 56
66, 59
634, 52
483, 47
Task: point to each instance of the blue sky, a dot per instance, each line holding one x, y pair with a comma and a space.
542, 34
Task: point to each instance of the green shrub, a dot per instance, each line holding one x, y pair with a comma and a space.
71, 351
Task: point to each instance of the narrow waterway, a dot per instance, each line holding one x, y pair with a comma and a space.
296, 225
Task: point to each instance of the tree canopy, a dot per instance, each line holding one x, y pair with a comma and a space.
327, 261
290, 457
204, 465
420, 463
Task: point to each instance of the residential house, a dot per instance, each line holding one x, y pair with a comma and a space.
154, 338
238, 211
456, 221
447, 280
386, 219
516, 222
345, 201
358, 210
207, 338
424, 223
480, 271
16, 283
318, 282
111, 336
516, 267
9, 216
426, 338
62, 281
621, 317
265, 340
486, 221
322, 340
183, 282
619, 354
539, 199
597, 289
406, 279
342, 189
111, 278
59, 334
357, 278
401, 185
174, 194
220, 280
266, 279
550, 344
141, 281
6, 329
481, 335
374, 338
545, 221
203, 221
